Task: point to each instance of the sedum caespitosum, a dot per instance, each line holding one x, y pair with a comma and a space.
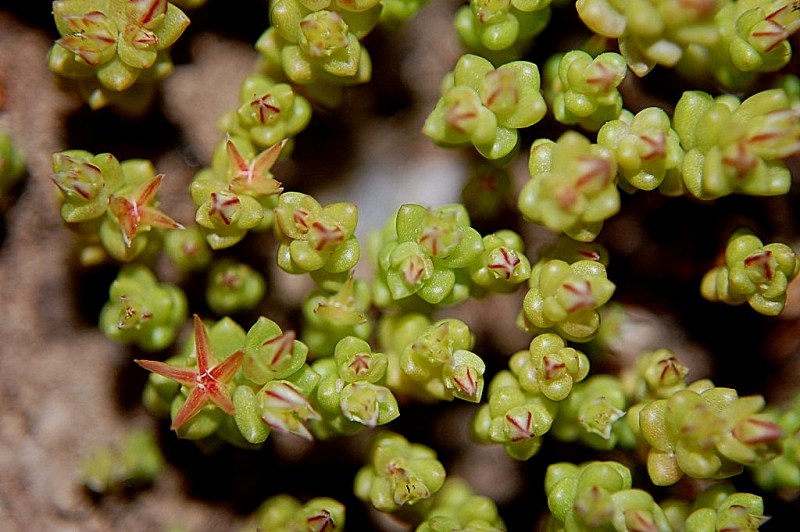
572, 187
503, 266
314, 238
501, 30
351, 393
549, 367
233, 287
268, 112
110, 205
284, 513
399, 474
426, 253
237, 193
564, 297
513, 417
113, 51
599, 496
647, 150
582, 89
133, 462
754, 273
706, 432
433, 361
456, 507
735, 146
142, 311
783, 472
329, 316
594, 414
484, 106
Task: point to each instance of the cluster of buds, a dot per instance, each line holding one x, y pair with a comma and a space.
233, 287
284, 512
457, 507
351, 393
109, 203
484, 107
513, 417
655, 375
652, 32
735, 146
113, 51
549, 367
316, 44
330, 316
142, 311
237, 193
647, 150
754, 273
573, 186
501, 30
705, 432
594, 414
503, 265
314, 238
563, 297
426, 253
720, 507
437, 362
399, 474
582, 89
268, 112
599, 496
783, 472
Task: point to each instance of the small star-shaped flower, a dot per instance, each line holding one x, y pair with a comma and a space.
253, 178
207, 384
133, 213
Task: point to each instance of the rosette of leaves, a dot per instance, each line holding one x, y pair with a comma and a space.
331, 316
501, 30
440, 365
484, 106
399, 474
142, 311
12, 164
737, 147
284, 513
351, 393
513, 417
721, 507
107, 46
783, 472
651, 32
549, 367
655, 375
573, 186
503, 265
564, 298
582, 89
426, 252
753, 272
315, 238
133, 462
269, 112
456, 507
706, 432
647, 150
233, 287
108, 202
593, 414
598, 496
237, 193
